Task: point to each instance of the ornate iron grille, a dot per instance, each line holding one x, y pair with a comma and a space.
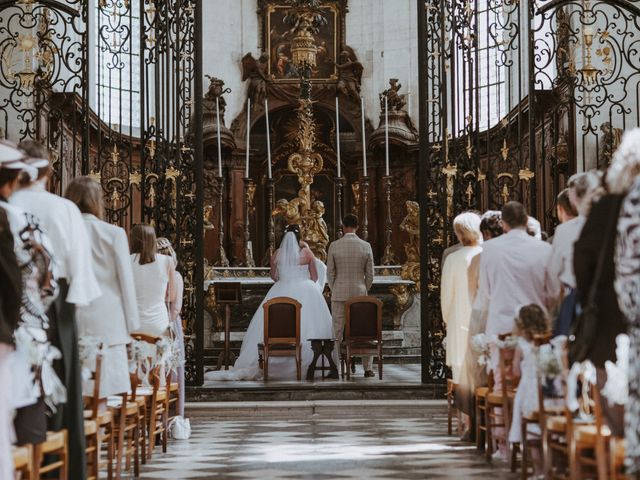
515, 96
111, 87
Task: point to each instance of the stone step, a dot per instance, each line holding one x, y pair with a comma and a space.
394, 359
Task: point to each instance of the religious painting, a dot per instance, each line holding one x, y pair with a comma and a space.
278, 44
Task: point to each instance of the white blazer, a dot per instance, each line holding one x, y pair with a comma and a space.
512, 275
113, 315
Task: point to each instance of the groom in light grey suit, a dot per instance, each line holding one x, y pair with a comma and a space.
350, 274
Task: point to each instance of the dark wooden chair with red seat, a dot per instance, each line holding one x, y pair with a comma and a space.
281, 333
362, 332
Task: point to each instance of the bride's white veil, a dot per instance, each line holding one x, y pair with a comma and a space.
289, 254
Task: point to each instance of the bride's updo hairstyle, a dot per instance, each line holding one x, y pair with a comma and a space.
295, 229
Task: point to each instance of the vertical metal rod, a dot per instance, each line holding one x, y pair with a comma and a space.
248, 250
339, 207
223, 261
271, 233
364, 182
199, 169
389, 257
423, 172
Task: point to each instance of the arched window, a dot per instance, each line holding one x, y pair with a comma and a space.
117, 64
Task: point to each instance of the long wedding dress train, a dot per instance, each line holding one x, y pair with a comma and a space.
315, 322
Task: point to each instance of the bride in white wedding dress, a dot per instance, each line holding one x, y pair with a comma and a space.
297, 274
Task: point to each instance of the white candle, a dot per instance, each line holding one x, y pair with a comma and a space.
219, 143
364, 139
386, 136
338, 136
246, 170
266, 115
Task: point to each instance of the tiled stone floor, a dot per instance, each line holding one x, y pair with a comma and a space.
321, 440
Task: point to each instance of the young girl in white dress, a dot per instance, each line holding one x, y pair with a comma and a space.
531, 321
153, 276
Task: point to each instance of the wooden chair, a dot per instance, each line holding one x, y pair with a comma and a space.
539, 417
480, 402
23, 461
616, 459
362, 332
126, 432
499, 404
98, 427
281, 333
555, 434
156, 400
55, 445
590, 438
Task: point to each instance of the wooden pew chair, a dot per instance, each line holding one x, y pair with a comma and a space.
499, 403
281, 333
149, 386
23, 461
590, 437
98, 426
362, 332
616, 459
54, 446
545, 410
480, 402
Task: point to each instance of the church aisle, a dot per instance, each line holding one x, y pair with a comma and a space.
321, 440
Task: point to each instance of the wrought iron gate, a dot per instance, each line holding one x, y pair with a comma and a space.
515, 96
114, 88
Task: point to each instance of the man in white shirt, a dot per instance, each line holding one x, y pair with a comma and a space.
512, 271
78, 286
512, 274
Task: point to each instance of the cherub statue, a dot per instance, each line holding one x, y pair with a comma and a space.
316, 231
394, 100
290, 210
349, 75
256, 72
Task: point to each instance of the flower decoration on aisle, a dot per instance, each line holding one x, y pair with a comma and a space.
616, 389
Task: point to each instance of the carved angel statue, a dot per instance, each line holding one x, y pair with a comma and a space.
349, 75
411, 225
394, 100
256, 72
290, 210
316, 232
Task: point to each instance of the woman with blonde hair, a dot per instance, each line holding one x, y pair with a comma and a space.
113, 316
175, 306
153, 276
454, 296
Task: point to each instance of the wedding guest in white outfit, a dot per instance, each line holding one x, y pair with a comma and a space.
153, 276
175, 307
454, 293
73, 268
113, 316
10, 294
